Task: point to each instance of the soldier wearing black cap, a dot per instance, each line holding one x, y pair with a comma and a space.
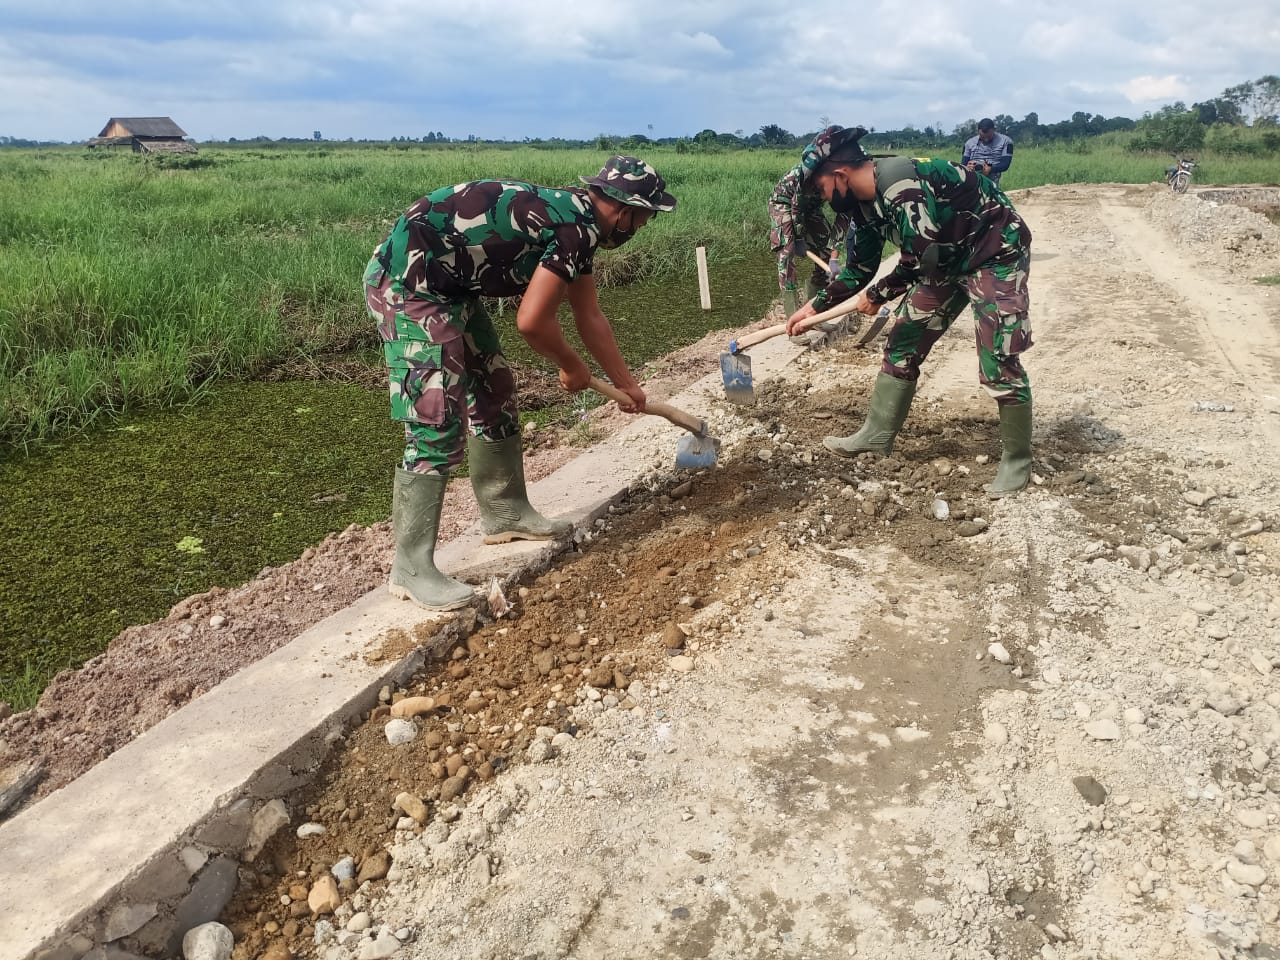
961, 244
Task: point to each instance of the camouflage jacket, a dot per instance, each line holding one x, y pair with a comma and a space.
946, 221
797, 214
486, 238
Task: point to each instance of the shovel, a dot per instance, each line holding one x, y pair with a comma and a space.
735, 366
820, 262
693, 452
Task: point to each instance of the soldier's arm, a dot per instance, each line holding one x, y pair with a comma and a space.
597, 336
537, 322
860, 264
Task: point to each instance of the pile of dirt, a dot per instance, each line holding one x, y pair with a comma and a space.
1226, 234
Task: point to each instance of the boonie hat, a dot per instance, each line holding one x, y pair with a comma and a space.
825, 144
634, 182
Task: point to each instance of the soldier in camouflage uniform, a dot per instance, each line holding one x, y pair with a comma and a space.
448, 378
962, 244
800, 224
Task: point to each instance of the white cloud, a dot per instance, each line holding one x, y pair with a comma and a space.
372, 68
1147, 90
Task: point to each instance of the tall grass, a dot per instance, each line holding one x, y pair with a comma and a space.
129, 283
1108, 159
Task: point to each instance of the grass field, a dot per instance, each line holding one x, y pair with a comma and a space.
131, 286
129, 283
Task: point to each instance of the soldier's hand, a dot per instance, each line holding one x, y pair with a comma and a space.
575, 377
802, 314
862, 304
986, 168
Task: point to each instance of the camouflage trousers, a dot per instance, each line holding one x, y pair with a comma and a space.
997, 292
446, 373
787, 274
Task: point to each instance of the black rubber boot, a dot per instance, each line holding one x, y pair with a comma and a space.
890, 402
497, 477
415, 518
1015, 451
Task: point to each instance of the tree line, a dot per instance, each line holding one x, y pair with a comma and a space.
1242, 119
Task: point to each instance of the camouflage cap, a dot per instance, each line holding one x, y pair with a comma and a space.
825, 144
632, 181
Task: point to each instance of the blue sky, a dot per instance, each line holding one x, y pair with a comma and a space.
516, 68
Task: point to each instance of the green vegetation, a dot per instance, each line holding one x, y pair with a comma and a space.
135, 287
105, 531
131, 283
112, 527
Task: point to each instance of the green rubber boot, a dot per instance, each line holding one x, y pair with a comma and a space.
890, 401
789, 301
415, 518
811, 289
497, 477
1015, 451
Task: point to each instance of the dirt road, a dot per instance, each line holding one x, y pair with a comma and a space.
783, 711
1040, 728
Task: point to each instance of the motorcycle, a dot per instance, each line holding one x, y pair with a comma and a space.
1179, 177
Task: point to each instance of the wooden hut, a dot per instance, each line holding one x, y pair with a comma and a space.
144, 135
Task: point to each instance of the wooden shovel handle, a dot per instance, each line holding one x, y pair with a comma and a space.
677, 416
820, 262
778, 329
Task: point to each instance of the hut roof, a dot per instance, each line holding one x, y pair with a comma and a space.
146, 126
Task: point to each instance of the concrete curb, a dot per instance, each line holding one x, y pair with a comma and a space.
148, 843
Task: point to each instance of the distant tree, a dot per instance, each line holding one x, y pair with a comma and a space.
1266, 99
1173, 128
774, 136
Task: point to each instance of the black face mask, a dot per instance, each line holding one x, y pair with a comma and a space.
617, 237
843, 202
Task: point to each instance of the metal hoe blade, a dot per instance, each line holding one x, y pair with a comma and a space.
696, 451
735, 370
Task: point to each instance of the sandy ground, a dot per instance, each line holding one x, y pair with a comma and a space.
782, 710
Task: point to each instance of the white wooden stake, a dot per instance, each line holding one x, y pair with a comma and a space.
704, 285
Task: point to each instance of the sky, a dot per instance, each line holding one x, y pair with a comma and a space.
510, 69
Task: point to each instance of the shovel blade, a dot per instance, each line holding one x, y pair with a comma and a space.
735, 371
697, 451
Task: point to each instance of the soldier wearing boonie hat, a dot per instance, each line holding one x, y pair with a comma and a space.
961, 244
450, 384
